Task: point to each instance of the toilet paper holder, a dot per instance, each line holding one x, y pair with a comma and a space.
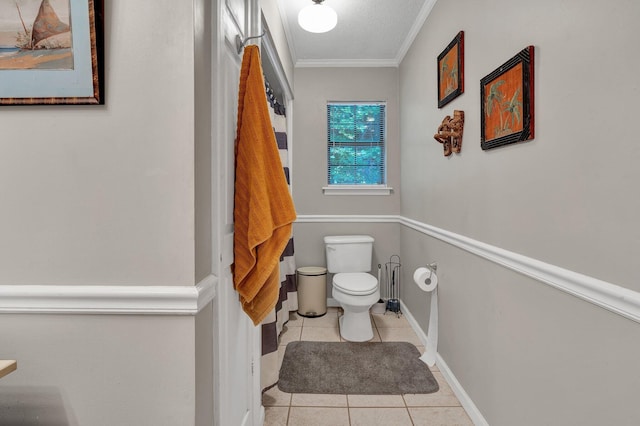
432, 267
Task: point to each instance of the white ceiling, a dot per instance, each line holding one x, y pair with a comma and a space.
369, 32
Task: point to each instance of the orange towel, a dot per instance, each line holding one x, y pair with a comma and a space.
263, 212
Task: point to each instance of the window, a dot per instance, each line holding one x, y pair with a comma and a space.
356, 154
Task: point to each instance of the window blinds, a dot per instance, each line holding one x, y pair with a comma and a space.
356, 143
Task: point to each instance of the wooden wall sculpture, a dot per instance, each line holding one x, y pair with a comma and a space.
450, 133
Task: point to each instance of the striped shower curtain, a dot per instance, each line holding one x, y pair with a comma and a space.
288, 299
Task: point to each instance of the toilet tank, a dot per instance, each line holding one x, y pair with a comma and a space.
348, 253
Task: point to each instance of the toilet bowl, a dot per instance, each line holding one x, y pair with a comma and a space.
356, 292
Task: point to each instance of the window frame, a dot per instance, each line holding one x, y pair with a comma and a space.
355, 188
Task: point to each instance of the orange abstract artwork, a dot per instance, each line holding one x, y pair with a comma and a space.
448, 73
503, 107
507, 105
451, 71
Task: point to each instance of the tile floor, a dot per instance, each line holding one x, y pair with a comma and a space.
285, 409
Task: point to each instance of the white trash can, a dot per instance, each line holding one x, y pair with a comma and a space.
312, 291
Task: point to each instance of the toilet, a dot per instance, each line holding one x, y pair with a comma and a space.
349, 258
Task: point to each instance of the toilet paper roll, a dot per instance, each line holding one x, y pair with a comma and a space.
425, 279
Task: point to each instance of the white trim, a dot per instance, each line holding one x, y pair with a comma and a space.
465, 400
346, 63
271, 53
614, 298
331, 218
413, 323
206, 291
357, 190
424, 13
88, 299
188, 300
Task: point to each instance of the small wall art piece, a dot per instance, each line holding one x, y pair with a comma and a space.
51, 52
450, 133
507, 102
451, 71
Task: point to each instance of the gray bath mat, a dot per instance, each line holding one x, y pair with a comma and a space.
372, 368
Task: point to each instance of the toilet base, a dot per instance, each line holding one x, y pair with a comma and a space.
355, 323
356, 326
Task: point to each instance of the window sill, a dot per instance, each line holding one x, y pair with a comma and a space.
357, 190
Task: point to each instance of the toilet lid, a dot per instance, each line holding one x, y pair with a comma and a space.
356, 283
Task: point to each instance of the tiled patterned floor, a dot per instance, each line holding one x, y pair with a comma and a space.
285, 409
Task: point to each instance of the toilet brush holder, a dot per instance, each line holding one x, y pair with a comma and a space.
393, 305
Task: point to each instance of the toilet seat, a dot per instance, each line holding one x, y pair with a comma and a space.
355, 283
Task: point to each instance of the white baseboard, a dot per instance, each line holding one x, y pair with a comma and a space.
466, 402
88, 299
472, 411
413, 323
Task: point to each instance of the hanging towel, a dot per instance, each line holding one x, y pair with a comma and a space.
263, 209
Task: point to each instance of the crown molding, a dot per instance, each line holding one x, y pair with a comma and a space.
346, 63
421, 18
425, 11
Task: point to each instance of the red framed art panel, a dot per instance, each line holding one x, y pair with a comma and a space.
451, 71
507, 102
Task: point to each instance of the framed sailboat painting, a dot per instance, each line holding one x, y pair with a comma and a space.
51, 52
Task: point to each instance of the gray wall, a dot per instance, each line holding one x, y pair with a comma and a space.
526, 353
309, 245
203, 131
205, 15
314, 87
106, 195
97, 370
204, 367
564, 197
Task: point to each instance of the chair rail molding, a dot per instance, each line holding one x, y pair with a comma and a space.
614, 298
108, 300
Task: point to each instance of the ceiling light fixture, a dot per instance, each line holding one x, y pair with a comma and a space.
317, 18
